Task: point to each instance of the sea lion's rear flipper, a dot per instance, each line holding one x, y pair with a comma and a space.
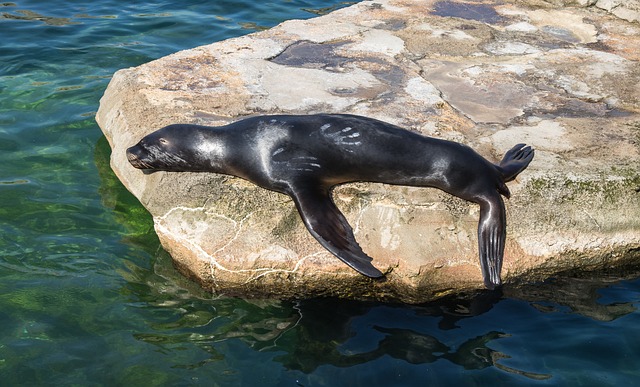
327, 224
515, 161
491, 237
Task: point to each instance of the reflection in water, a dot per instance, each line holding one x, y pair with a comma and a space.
310, 334
453, 309
580, 295
257, 324
326, 326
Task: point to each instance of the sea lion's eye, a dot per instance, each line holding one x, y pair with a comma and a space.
163, 141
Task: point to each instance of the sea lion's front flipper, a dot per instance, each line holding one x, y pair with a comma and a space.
492, 230
327, 224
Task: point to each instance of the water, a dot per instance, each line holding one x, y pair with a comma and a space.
88, 297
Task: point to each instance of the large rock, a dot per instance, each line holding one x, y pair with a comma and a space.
565, 80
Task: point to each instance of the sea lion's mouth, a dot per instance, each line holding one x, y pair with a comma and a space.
135, 161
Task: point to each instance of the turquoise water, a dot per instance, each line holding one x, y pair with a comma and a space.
88, 297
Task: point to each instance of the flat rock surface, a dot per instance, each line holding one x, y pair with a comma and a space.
561, 76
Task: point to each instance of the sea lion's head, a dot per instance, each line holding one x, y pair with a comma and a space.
174, 148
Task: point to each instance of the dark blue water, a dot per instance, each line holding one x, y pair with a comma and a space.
88, 297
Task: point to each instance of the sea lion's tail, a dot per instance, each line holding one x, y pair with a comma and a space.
515, 161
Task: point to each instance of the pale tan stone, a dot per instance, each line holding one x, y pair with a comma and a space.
565, 80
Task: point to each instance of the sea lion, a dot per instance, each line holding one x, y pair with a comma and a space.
304, 156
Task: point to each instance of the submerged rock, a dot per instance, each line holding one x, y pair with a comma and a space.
490, 75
